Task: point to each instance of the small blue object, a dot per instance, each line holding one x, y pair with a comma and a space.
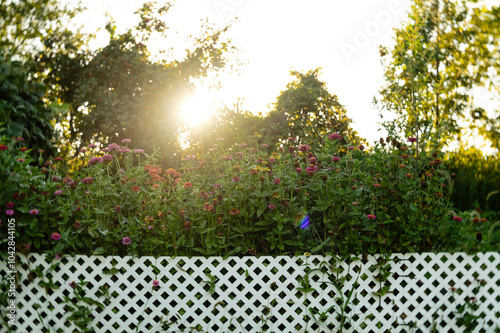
304, 223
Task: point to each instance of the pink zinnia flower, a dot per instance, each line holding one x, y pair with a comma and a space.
350, 148
113, 146
88, 180
10, 205
139, 151
56, 236
188, 184
271, 206
20, 160
95, 160
73, 284
107, 157
361, 147
457, 218
58, 256
304, 148
335, 159
58, 192
376, 185
124, 150
298, 170
126, 240
126, 141
9, 212
150, 227
277, 181
370, 216
92, 145
156, 283
335, 136
34, 212
412, 139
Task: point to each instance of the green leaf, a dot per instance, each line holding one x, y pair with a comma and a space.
100, 250
320, 246
233, 251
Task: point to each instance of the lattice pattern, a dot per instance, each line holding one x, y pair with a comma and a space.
254, 294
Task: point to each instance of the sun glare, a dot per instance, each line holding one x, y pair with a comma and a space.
198, 108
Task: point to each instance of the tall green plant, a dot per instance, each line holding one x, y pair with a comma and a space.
23, 112
446, 49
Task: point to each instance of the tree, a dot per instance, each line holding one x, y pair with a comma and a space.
310, 110
25, 25
304, 111
22, 110
445, 50
119, 92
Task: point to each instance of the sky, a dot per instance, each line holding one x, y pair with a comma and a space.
274, 37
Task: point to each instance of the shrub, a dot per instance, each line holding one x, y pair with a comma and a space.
476, 176
243, 199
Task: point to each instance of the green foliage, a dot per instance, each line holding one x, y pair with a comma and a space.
119, 91
234, 200
310, 110
304, 111
26, 25
476, 177
23, 112
445, 50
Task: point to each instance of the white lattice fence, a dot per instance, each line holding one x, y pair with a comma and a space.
260, 294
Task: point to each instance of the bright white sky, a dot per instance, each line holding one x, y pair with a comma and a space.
273, 37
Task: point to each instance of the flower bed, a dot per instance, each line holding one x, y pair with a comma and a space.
254, 294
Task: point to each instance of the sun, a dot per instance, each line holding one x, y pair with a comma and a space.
198, 108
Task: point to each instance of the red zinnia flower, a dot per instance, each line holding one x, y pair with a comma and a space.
136, 189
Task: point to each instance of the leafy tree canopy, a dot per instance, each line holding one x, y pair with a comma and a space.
25, 26
446, 49
310, 110
22, 110
119, 92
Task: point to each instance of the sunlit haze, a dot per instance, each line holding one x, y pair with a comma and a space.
274, 37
